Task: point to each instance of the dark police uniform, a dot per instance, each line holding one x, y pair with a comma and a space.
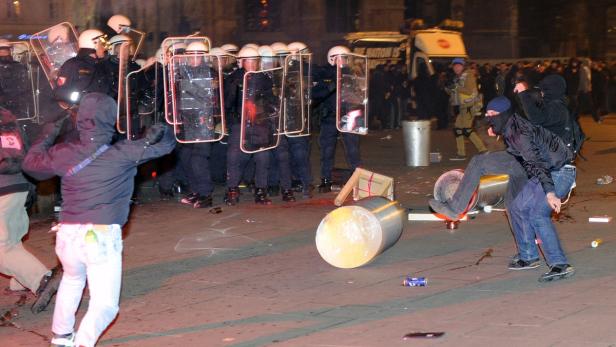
15, 88
324, 92
81, 75
236, 159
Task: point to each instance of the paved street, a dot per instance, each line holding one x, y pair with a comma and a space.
251, 276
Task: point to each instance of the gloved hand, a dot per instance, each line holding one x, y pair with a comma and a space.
154, 134
250, 110
51, 130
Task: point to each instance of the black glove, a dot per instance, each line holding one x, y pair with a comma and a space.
51, 130
154, 134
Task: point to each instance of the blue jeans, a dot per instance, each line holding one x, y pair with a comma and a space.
530, 217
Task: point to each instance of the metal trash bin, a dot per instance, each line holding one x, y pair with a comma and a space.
352, 236
416, 142
491, 190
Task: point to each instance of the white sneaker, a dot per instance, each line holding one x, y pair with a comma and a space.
67, 340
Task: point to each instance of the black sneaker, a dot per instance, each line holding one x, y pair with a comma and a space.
165, 193
203, 201
47, 289
325, 186
232, 197
557, 272
190, 199
261, 197
287, 195
444, 209
519, 264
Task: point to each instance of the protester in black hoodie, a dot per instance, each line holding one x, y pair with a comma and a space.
97, 183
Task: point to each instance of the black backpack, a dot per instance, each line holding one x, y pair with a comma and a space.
577, 136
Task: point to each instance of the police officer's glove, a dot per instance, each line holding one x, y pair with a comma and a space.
154, 134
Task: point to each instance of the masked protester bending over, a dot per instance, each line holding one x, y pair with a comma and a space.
546, 160
97, 183
544, 106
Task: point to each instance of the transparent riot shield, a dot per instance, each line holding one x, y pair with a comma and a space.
122, 114
261, 110
19, 83
197, 99
141, 100
54, 46
297, 95
168, 52
352, 93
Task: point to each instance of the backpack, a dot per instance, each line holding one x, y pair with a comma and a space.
577, 136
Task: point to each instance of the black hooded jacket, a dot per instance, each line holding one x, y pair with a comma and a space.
538, 150
100, 192
550, 111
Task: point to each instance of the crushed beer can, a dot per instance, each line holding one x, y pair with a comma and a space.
415, 282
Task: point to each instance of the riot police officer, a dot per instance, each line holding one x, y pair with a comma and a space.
198, 86
324, 93
85, 73
249, 61
14, 83
280, 169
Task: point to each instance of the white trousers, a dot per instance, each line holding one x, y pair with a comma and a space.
92, 252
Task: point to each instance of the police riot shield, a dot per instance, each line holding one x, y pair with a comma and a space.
141, 100
261, 110
297, 94
54, 46
19, 83
197, 100
122, 114
168, 52
352, 93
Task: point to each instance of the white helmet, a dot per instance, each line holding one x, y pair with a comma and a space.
266, 51
90, 38
176, 47
4, 43
119, 23
251, 45
248, 53
119, 39
335, 51
296, 47
229, 48
196, 47
58, 33
280, 48
217, 51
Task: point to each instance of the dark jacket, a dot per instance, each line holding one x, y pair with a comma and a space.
12, 152
260, 90
324, 89
100, 192
550, 111
538, 150
81, 75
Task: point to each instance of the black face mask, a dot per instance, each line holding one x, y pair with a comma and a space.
499, 121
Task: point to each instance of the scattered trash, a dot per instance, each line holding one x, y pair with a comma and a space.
595, 243
599, 219
228, 339
435, 157
388, 137
452, 224
415, 282
607, 179
216, 210
487, 208
486, 254
428, 335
